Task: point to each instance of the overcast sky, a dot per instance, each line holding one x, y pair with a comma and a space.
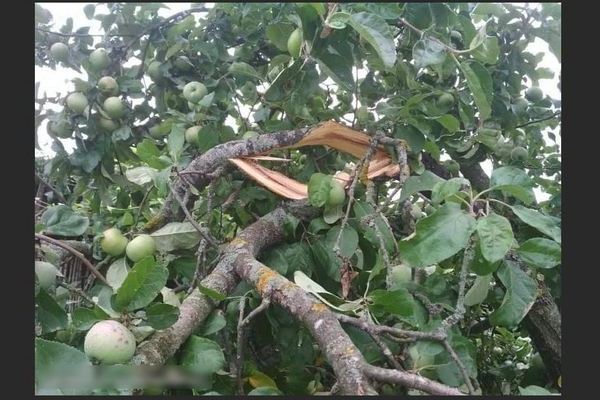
53, 82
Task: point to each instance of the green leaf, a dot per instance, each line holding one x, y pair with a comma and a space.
449, 122
331, 214
415, 184
398, 302
279, 34
52, 359
117, 272
438, 236
338, 20
488, 52
214, 323
348, 241
544, 223
362, 209
84, 318
521, 292
445, 189
480, 265
140, 175
202, 356
122, 133
89, 10
478, 292
176, 236
540, 252
60, 220
513, 181
213, 294
495, 237
533, 390
51, 316
336, 67
142, 285
175, 141
240, 68
265, 391
161, 316
428, 52
478, 89
147, 151
376, 31
319, 186
494, 9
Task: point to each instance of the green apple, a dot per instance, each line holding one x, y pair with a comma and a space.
194, 92
113, 242
520, 106
534, 94
108, 124
294, 43
109, 342
61, 128
191, 134
456, 36
140, 247
114, 107
154, 71
519, 154
108, 85
362, 114
59, 51
99, 59
337, 194
77, 102
446, 100
46, 274
398, 276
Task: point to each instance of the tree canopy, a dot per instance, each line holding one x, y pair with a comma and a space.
292, 198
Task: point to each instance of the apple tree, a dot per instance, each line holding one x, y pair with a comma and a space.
300, 198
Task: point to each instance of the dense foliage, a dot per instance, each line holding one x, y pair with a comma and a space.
455, 81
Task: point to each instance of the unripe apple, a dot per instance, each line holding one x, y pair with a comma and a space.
108, 124
113, 242
294, 43
194, 92
154, 71
99, 59
140, 247
534, 94
59, 51
519, 154
46, 274
191, 134
108, 85
337, 194
77, 102
109, 342
520, 106
114, 107
446, 100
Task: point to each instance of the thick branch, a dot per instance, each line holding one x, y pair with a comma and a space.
410, 380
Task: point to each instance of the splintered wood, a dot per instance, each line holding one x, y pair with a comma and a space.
330, 134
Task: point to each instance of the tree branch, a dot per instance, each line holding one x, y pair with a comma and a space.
77, 254
410, 380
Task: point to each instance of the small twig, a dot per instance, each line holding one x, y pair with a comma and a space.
58, 194
459, 310
76, 291
386, 351
436, 335
77, 254
199, 273
139, 212
539, 120
422, 33
241, 330
189, 217
410, 380
461, 366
